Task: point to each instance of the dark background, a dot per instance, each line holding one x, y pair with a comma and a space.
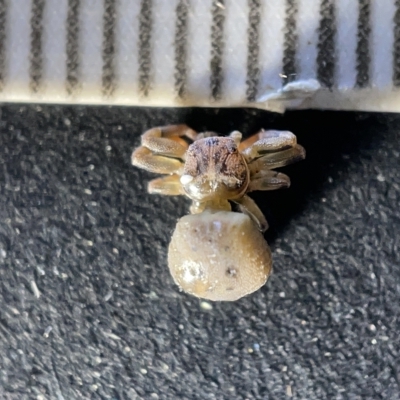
77, 223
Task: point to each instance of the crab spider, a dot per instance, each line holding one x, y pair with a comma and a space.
215, 253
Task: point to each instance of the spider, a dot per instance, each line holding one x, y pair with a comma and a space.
216, 253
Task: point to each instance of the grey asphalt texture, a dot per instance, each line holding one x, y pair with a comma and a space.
89, 310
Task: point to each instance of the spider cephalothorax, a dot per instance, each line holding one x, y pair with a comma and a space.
217, 254
214, 169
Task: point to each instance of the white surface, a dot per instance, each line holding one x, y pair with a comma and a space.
18, 47
271, 45
127, 50
235, 60
163, 49
54, 48
308, 24
91, 69
199, 51
382, 43
346, 15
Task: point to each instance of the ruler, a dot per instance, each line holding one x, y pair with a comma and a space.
271, 54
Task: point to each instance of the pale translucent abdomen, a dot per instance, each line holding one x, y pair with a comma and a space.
219, 256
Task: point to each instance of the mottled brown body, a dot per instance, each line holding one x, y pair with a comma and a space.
216, 173
217, 170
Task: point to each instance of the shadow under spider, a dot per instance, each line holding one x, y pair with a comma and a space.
332, 141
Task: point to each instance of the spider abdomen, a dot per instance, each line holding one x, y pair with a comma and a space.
219, 256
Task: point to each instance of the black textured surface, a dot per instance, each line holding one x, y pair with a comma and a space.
109, 322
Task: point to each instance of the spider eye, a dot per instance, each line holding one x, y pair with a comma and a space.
185, 179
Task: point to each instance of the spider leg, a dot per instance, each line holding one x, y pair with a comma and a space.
265, 142
277, 159
268, 180
167, 185
167, 140
163, 149
249, 207
144, 158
